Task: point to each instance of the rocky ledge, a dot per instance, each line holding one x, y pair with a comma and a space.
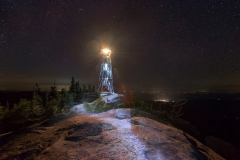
110, 135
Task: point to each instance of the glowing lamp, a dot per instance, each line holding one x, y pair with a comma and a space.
106, 51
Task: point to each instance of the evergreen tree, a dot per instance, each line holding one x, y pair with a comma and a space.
78, 88
52, 106
93, 88
37, 99
20, 113
67, 100
78, 92
84, 88
3, 112
64, 98
63, 93
89, 88
72, 88
36, 88
53, 92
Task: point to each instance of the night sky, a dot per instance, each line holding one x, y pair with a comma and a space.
161, 45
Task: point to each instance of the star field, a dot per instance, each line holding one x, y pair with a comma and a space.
157, 45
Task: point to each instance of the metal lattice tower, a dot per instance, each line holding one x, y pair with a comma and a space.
106, 76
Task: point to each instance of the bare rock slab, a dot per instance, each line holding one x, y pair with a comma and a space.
103, 136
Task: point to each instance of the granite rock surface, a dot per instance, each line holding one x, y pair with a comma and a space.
103, 136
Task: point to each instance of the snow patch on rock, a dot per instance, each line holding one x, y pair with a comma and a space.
124, 113
79, 109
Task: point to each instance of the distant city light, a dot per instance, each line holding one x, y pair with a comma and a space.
162, 100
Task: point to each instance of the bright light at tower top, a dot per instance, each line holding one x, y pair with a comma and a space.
106, 51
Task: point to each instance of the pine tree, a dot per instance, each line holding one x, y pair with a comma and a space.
64, 98
78, 92
63, 93
93, 88
53, 92
89, 88
72, 88
54, 101
37, 99
78, 88
84, 88
37, 88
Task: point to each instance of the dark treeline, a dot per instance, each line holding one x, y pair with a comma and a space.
35, 106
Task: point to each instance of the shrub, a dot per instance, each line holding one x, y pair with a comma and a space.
98, 105
3, 113
19, 114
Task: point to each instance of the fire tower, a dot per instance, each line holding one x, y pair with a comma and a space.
106, 76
